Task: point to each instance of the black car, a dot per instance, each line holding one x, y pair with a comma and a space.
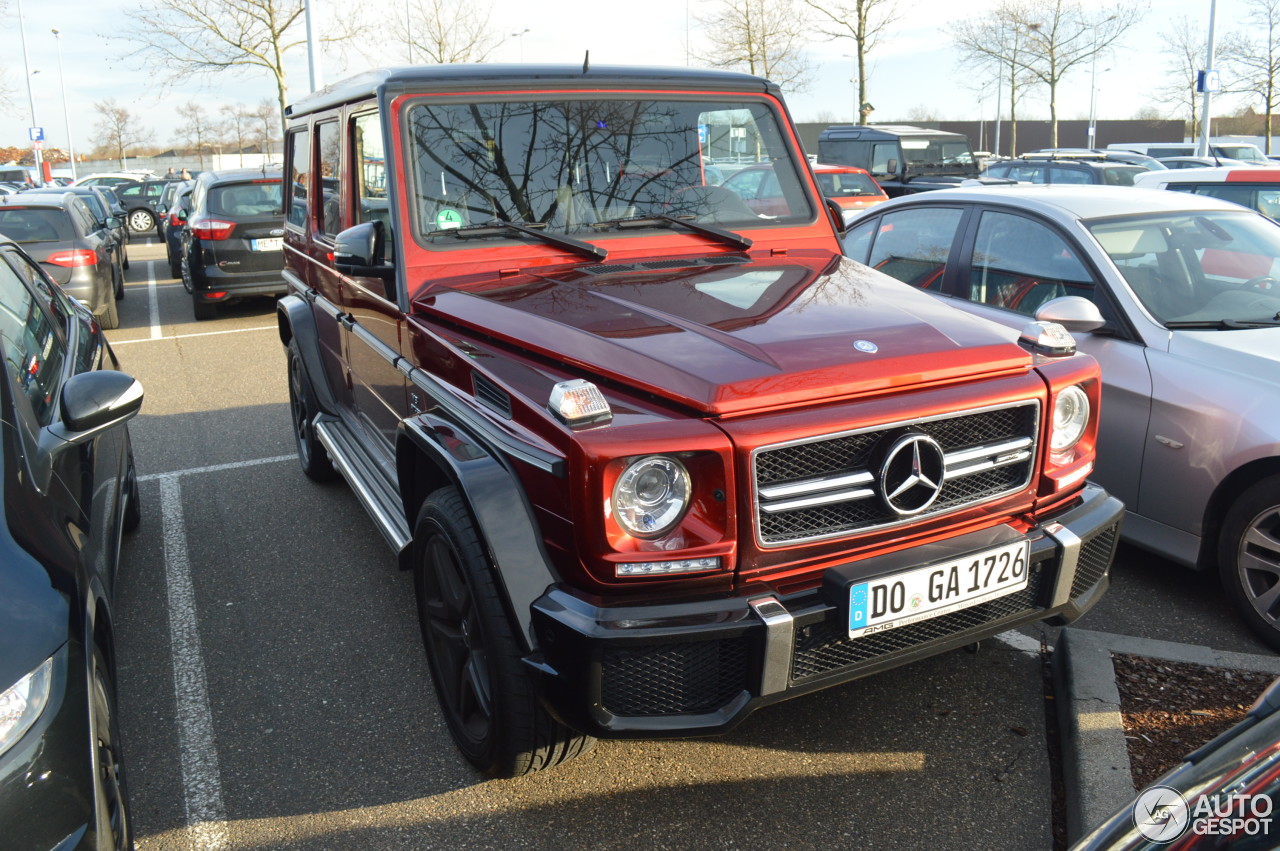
70, 491
1070, 168
232, 243
175, 219
142, 202
108, 211
75, 250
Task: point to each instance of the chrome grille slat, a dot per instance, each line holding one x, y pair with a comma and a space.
824, 486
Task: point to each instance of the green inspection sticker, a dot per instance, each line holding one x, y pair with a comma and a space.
448, 218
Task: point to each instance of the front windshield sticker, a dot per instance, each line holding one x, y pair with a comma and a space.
447, 218
741, 291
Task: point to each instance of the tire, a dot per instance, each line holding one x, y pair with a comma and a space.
302, 411
184, 271
133, 505
118, 276
110, 317
141, 221
110, 792
203, 309
1249, 558
486, 692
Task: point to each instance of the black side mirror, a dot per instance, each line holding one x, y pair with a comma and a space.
112, 222
358, 251
90, 403
892, 166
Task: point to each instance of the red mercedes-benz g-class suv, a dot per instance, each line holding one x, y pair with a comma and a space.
655, 460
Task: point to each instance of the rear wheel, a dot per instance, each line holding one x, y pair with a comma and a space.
141, 221
184, 270
110, 796
486, 692
311, 453
203, 309
133, 504
1249, 558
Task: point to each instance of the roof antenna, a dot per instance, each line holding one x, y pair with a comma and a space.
586, 62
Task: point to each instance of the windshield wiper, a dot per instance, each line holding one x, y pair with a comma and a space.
726, 236
500, 228
1225, 324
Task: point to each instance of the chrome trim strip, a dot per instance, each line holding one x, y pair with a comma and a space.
982, 466
823, 499
986, 451
815, 485
1070, 544
779, 638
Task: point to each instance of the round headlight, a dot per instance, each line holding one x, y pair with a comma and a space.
651, 496
1070, 418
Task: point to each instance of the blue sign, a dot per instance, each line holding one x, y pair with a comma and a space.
37, 133
1209, 81
702, 135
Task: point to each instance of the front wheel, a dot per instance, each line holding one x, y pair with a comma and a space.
486, 692
141, 221
311, 453
1249, 558
110, 797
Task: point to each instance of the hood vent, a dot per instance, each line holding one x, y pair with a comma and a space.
683, 263
491, 395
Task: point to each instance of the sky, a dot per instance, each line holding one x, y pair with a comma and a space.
915, 71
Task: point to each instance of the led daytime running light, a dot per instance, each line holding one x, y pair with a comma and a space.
660, 568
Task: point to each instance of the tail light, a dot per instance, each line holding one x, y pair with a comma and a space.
73, 257
213, 230
174, 221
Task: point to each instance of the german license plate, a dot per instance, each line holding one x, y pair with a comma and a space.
915, 595
273, 244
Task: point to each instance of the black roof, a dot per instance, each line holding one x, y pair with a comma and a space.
229, 175
455, 78
37, 198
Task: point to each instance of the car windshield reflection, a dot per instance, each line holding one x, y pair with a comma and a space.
1212, 270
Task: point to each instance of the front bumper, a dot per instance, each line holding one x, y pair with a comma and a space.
695, 668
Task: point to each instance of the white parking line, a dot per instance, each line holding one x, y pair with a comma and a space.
154, 305
115, 343
1019, 641
202, 781
216, 468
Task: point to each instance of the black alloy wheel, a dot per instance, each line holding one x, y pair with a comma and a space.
302, 410
1249, 558
110, 795
487, 694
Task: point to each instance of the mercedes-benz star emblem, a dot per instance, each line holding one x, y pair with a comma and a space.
866, 346
912, 475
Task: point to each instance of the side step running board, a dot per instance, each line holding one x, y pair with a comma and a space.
370, 486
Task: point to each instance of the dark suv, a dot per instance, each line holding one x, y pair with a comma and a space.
654, 459
141, 202
232, 239
1072, 168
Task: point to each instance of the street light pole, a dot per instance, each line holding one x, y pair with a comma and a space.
31, 98
520, 38
66, 113
1202, 149
1093, 103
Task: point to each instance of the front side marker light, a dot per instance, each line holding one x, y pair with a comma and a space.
579, 403
661, 568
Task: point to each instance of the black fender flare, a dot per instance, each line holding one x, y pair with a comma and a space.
295, 320
432, 452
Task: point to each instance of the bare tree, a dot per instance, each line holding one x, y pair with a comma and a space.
196, 129
998, 40
266, 124
118, 130
761, 37
440, 31
1253, 54
237, 125
190, 40
1183, 44
1064, 36
864, 22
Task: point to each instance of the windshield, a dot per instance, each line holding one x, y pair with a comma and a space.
1198, 267
936, 151
570, 165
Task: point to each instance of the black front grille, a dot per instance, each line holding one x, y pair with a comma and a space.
1095, 557
853, 453
673, 679
824, 647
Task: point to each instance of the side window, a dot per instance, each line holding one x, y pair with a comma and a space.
84, 219
1027, 173
880, 156
1019, 264
857, 241
1061, 174
1001, 170
771, 187
369, 163
328, 136
1268, 202
33, 350
130, 192
298, 154
913, 245
746, 183
54, 298
1237, 194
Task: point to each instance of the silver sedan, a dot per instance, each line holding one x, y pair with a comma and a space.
1188, 292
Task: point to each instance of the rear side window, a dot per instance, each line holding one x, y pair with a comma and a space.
250, 199
1059, 174
31, 224
913, 245
329, 139
1121, 175
1236, 194
299, 171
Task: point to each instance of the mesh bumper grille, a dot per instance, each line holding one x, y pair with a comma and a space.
673, 679
1095, 557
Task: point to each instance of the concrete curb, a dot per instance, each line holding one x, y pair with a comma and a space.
1095, 755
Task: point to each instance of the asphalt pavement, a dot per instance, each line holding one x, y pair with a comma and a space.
275, 695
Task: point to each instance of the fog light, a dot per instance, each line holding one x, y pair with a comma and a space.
659, 568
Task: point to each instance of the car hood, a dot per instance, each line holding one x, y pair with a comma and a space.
1254, 352
728, 337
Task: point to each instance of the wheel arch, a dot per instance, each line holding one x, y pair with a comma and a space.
432, 453
295, 321
1230, 487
